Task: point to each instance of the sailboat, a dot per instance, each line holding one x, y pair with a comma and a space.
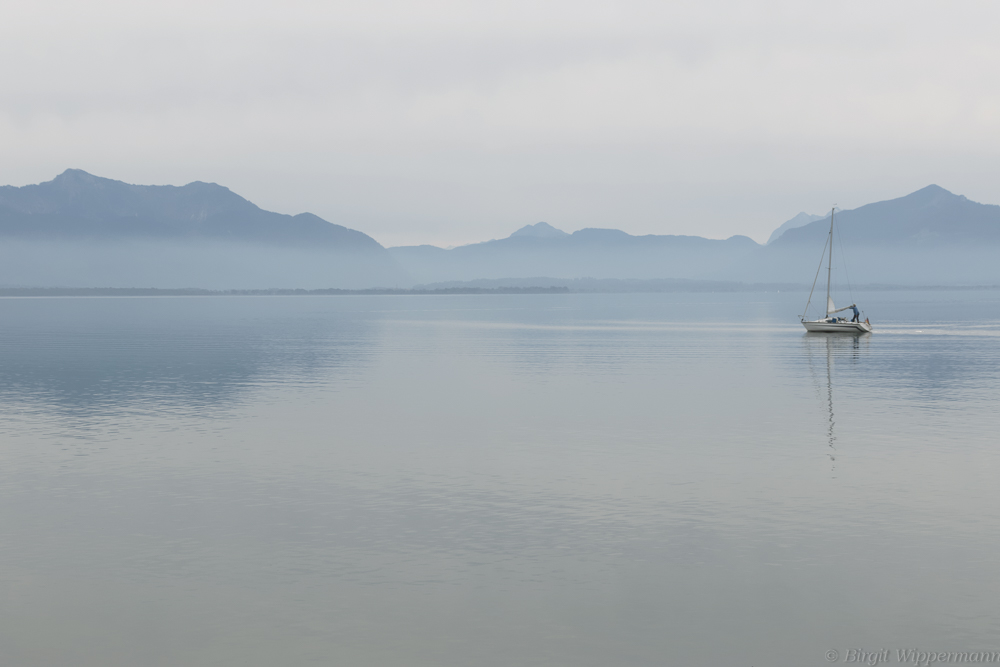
832, 323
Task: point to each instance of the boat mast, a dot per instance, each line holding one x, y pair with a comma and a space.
829, 264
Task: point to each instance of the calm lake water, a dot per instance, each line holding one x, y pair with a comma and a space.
647, 479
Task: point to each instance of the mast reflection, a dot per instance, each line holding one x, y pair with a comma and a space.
835, 347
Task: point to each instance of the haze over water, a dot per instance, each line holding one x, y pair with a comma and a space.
574, 479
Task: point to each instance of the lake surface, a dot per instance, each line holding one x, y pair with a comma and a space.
578, 479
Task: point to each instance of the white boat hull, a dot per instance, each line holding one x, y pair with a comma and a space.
825, 326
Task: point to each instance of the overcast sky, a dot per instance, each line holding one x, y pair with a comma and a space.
450, 122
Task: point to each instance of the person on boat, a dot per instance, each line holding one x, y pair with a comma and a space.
857, 315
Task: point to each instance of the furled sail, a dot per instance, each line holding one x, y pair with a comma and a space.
830, 308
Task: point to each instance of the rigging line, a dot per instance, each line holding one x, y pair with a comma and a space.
813, 288
843, 259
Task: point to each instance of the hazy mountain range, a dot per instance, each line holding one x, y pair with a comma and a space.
929, 217
80, 206
596, 253
80, 230
928, 237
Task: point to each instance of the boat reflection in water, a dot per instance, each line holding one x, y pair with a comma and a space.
833, 349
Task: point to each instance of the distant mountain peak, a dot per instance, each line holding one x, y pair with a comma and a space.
540, 230
77, 178
74, 173
798, 221
932, 194
932, 189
